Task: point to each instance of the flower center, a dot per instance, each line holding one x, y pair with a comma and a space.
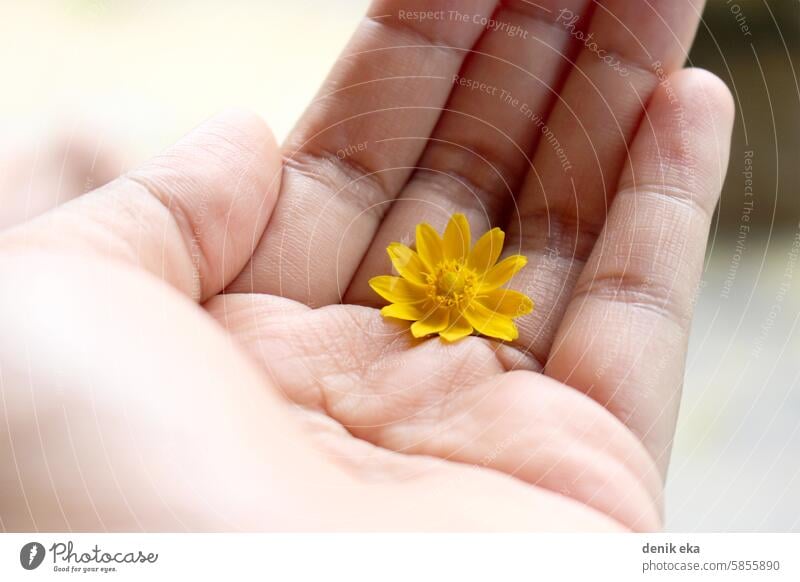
452, 284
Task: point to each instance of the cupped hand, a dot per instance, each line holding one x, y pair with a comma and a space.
195, 346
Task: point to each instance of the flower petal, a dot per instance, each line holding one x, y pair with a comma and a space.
487, 250
500, 274
407, 263
461, 328
435, 322
506, 302
490, 323
407, 311
457, 238
397, 289
429, 245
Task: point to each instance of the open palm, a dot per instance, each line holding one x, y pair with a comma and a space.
600, 160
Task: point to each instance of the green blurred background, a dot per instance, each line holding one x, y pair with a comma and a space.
100, 85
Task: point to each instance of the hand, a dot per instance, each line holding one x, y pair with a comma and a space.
129, 406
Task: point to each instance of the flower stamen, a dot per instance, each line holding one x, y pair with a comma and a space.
452, 284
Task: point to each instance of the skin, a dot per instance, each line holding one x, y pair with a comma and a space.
194, 347
41, 169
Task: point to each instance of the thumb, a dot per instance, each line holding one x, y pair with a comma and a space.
191, 216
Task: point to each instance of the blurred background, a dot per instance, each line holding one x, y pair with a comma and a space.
92, 87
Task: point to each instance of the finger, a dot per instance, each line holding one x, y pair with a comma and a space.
450, 401
623, 338
564, 200
191, 216
341, 174
481, 147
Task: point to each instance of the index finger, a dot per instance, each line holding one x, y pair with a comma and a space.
341, 173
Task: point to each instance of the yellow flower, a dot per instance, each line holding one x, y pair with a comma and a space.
447, 288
